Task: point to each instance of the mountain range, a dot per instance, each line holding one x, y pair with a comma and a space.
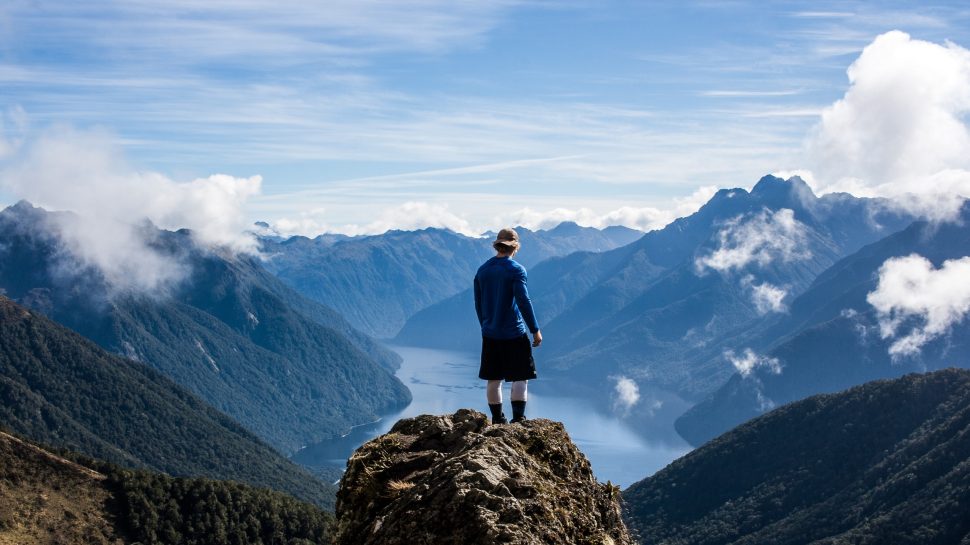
378, 282
62, 390
289, 369
831, 337
664, 310
885, 462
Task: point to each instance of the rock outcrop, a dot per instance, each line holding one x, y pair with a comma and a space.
456, 479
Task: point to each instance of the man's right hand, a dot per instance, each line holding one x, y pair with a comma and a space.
536, 339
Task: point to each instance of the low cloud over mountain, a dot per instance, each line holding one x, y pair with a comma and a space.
84, 172
759, 238
917, 302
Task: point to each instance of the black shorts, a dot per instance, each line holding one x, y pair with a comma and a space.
507, 359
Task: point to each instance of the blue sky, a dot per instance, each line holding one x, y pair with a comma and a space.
365, 115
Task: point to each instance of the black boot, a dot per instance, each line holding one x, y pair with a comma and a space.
497, 416
518, 411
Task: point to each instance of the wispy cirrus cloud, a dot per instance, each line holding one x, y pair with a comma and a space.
401, 101
724, 93
219, 29
824, 14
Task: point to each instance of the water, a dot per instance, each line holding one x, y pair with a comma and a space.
442, 382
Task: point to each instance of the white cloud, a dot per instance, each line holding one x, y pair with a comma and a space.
900, 130
746, 362
85, 173
419, 214
913, 295
308, 223
407, 216
765, 296
643, 218
626, 394
759, 238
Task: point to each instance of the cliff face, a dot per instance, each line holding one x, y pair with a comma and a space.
455, 479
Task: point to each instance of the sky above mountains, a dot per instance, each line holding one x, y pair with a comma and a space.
362, 115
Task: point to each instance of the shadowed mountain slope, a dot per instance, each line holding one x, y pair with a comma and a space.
885, 462
831, 337
63, 390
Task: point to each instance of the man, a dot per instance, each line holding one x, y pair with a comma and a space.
506, 316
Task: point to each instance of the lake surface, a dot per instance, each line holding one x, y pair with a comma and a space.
442, 382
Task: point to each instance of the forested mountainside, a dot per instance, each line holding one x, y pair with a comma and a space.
885, 462
45, 498
832, 337
62, 390
378, 282
287, 368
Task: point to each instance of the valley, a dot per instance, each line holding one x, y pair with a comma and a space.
442, 381
255, 255
652, 348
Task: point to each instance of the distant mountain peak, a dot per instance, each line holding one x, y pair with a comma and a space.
766, 181
23, 204
567, 228
23, 209
772, 185
775, 192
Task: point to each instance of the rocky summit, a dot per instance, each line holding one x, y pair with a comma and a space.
457, 479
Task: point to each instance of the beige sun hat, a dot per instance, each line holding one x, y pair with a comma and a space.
506, 240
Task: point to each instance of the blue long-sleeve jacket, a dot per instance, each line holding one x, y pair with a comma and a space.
502, 300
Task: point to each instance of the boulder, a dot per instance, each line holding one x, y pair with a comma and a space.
456, 479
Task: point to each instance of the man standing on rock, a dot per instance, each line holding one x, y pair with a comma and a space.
506, 316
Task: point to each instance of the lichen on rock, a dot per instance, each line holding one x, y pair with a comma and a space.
455, 479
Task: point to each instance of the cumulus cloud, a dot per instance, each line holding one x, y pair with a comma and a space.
917, 303
80, 171
765, 296
760, 238
747, 361
626, 394
900, 130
